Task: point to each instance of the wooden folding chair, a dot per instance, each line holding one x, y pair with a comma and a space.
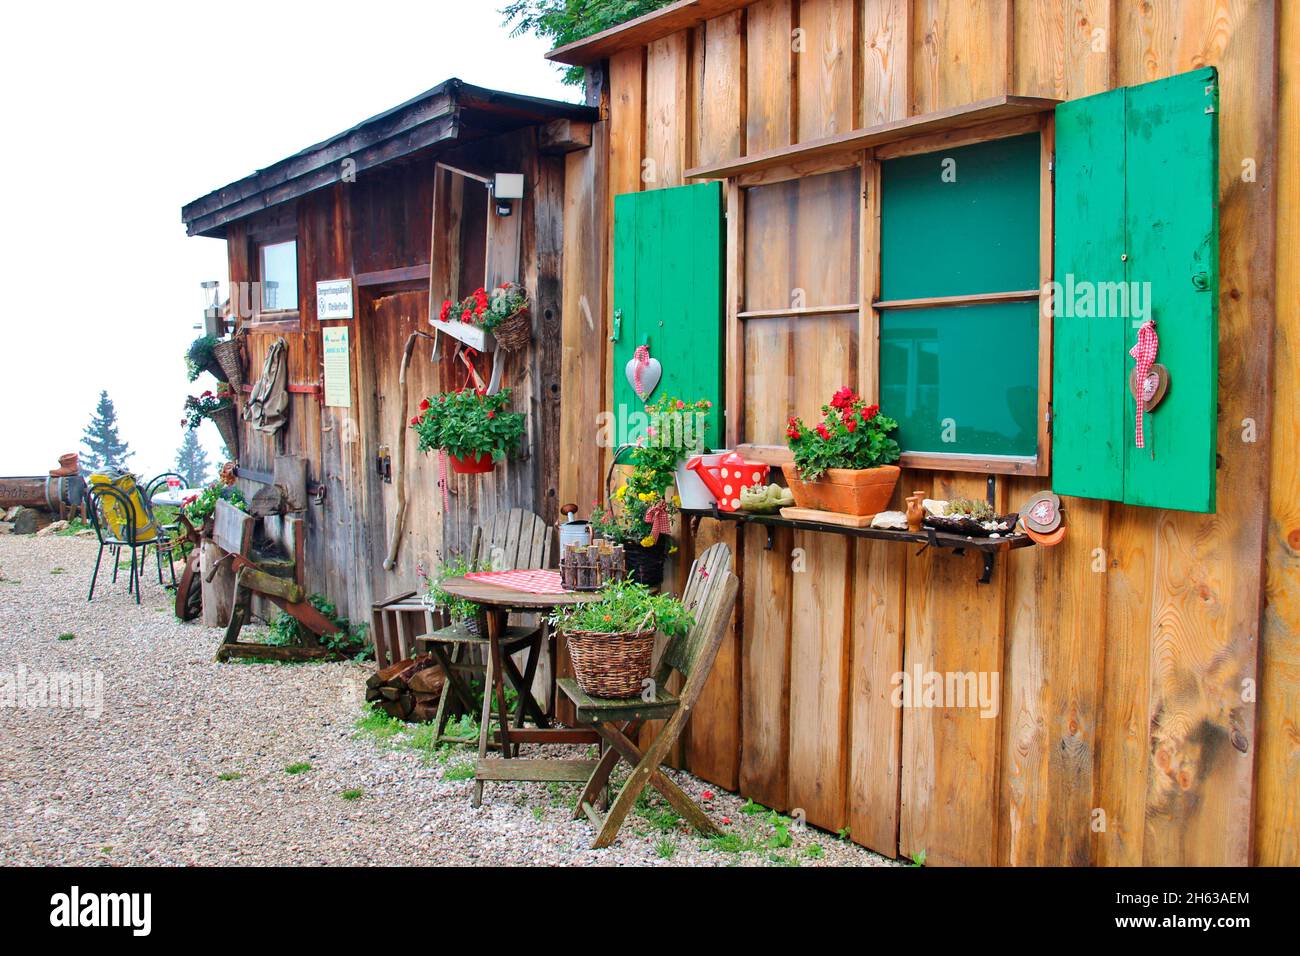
515, 540
710, 595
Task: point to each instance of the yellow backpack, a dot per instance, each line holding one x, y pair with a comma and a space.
146, 528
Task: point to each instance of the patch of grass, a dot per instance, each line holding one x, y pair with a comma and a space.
815, 851
778, 859
105, 849
58, 571
459, 771
377, 725
665, 849
355, 793
539, 813
752, 809
229, 775
67, 636
730, 843
657, 813
296, 768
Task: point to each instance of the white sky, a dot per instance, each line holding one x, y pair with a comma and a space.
116, 115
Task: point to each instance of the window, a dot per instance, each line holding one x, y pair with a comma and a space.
278, 271
959, 298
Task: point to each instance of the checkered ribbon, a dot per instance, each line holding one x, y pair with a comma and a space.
1148, 344
442, 480
660, 523
642, 359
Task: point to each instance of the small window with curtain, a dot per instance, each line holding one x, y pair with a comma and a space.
278, 273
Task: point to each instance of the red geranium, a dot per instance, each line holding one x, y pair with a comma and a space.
851, 434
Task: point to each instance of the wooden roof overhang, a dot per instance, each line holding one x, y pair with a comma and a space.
644, 29
451, 113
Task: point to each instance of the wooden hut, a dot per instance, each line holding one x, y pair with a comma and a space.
1148, 700
355, 212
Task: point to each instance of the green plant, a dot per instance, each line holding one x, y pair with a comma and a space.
457, 608
207, 405
350, 640
459, 771
67, 636
198, 355
625, 606
852, 434
199, 508
229, 775
355, 793
665, 849
566, 21
918, 858
483, 309
296, 768
967, 507
469, 423
815, 851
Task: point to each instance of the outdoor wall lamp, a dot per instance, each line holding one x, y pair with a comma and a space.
507, 188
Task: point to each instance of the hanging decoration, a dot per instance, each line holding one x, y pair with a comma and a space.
1144, 352
643, 372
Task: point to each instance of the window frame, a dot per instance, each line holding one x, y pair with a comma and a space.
273, 320
869, 306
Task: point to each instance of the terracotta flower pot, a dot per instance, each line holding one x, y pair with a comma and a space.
850, 491
479, 465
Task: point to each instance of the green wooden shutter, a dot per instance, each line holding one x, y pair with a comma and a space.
1137, 210
668, 294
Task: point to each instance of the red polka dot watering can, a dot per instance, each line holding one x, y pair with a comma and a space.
726, 476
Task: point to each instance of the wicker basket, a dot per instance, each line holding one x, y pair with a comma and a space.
230, 361
227, 422
645, 565
611, 665
516, 331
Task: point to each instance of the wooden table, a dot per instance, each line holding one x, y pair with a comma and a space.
497, 603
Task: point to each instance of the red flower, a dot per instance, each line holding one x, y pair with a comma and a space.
706, 795
446, 310
843, 398
424, 404
821, 430
870, 412
851, 425
726, 821
466, 315
492, 414
415, 420
793, 432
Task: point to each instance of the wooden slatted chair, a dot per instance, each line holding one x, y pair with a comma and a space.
710, 595
515, 540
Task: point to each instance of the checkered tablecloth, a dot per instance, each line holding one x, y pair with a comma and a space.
530, 582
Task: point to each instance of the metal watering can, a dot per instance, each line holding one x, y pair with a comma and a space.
574, 530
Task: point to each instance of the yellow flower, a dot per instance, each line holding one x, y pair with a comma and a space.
647, 542
621, 492
672, 549
677, 501
646, 496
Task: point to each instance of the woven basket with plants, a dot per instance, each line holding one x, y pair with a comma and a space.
219, 407
200, 358
639, 513
230, 359
611, 641
504, 312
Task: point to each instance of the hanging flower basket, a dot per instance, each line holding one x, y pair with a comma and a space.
226, 420
516, 330
483, 319
472, 464
229, 360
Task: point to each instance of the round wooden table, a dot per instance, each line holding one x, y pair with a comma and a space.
498, 601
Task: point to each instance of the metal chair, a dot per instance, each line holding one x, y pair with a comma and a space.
113, 516
152, 488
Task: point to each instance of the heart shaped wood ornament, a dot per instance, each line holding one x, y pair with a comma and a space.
643, 374
1153, 389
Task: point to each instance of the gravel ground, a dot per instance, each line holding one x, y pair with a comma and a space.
187, 762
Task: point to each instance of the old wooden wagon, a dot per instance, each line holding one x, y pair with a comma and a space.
754, 195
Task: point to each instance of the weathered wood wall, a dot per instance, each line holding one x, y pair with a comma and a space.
383, 222
1128, 728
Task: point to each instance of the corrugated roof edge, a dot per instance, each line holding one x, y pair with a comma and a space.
423, 120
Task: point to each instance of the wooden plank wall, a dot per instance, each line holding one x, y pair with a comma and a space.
383, 222
1127, 729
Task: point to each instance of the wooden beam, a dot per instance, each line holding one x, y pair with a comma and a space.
995, 108
563, 136
948, 301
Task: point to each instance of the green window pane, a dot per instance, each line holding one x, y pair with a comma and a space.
961, 221
962, 380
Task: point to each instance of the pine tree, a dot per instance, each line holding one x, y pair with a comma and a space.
104, 448
192, 461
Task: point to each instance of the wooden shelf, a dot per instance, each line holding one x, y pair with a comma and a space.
972, 114
988, 548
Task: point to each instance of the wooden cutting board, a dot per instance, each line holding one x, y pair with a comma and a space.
827, 517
